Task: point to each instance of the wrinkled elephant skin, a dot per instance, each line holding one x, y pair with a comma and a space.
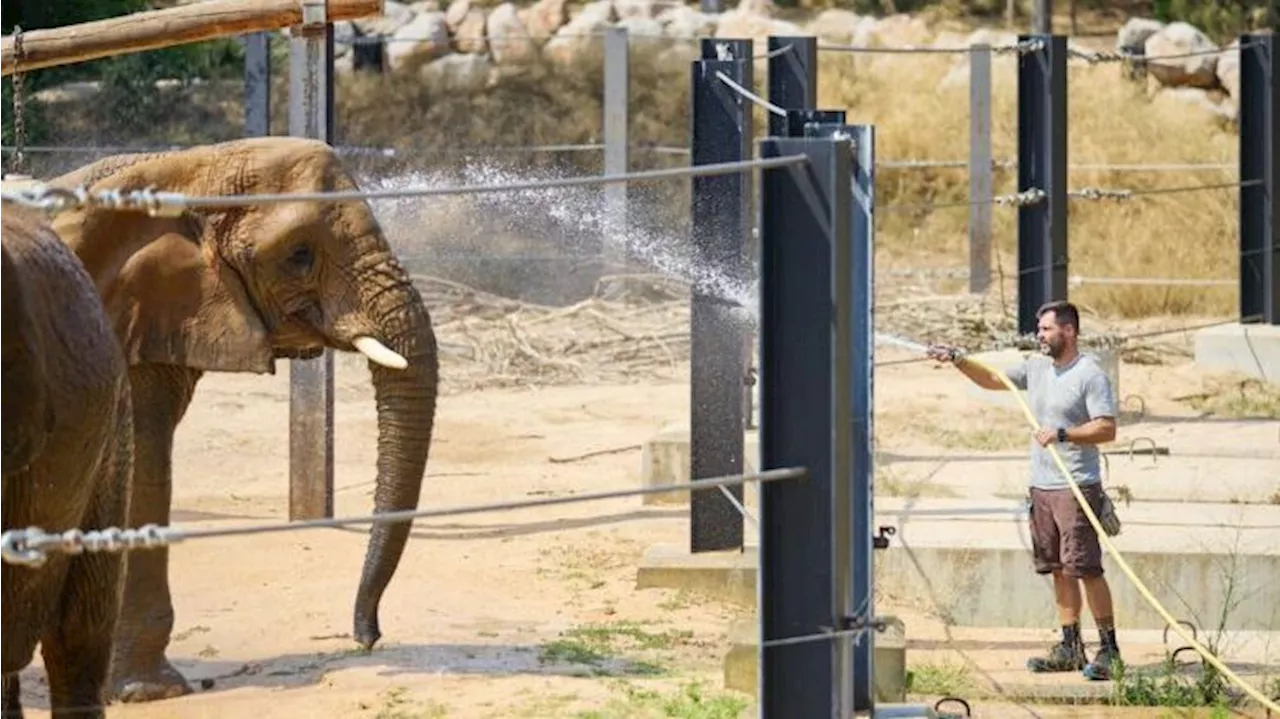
232, 291
68, 447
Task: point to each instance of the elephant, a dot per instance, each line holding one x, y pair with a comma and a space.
67, 440
233, 290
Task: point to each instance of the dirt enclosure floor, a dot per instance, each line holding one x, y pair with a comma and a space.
528, 613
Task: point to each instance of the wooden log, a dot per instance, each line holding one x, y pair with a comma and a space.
154, 29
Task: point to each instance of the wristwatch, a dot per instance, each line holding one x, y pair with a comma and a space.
1062, 434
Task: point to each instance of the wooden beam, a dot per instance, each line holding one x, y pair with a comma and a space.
155, 29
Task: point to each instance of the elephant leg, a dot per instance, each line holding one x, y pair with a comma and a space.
12, 701
77, 648
140, 671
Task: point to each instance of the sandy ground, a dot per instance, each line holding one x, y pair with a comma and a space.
527, 613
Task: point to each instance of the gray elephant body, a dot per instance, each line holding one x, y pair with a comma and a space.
233, 291
68, 449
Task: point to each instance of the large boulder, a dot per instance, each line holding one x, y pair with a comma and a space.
420, 41
509, 41
1133, 35
1171, 62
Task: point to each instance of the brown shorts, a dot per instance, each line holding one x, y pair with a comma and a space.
1061, 536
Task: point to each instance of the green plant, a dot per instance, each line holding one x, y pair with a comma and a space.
689, 702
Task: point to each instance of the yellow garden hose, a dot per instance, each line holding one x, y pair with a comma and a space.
1115, 554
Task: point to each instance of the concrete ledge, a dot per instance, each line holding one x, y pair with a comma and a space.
665, 460
969, 562
1249, 349
727, 576
741, 664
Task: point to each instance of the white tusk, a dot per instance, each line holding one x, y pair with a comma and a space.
380, 353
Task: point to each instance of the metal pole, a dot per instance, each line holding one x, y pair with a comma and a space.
311, 381
806, 369
1043, 22
721, 133
854, 544
980, 168
1259, 201
257, 84
1042, 164
793, 78
616, 85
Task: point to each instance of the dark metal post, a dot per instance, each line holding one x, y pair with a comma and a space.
806, 370
858, 599
721, 133
257, 84
1259, 201
311, 381
1042, 164
793, 78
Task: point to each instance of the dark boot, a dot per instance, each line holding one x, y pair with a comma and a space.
1065, 656
1101, 667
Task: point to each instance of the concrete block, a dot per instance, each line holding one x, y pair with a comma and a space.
959, 560
1253, 349
665, 460
741, 664
727, 576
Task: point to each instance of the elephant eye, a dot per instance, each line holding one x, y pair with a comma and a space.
300, 259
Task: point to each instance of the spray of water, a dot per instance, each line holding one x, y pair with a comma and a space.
559, 221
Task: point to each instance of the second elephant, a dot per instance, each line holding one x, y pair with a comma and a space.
233, 291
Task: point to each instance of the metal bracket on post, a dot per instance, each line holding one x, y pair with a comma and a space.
1042, 164
721, 132
1259, 201
311, 380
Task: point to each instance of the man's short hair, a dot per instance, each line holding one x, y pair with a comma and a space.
1063, 311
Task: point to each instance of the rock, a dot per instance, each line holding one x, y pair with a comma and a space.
457, 73
683, 21
901, 29
745, 24
1133, 35
642, 27
422, 40
1176, 100
424, 6
457, 14
395, 15
469, 35
1180, 38
835, 26
628, 9
576, 37
509, 40
545, 17
1228, 69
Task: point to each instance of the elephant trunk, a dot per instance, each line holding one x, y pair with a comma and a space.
406, 401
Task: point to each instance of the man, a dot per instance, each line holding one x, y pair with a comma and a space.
1071, 398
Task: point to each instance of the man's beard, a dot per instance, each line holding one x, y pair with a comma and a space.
1050, 350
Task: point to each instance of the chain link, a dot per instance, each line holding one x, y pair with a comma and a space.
54, 200
18, 162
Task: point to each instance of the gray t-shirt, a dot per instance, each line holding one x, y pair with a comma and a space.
1064, 397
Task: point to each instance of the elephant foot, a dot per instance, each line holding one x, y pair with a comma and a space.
161, 682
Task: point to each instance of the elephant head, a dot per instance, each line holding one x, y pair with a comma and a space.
28, 413
233, 290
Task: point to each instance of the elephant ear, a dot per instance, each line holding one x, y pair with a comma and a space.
172, 298
24, 382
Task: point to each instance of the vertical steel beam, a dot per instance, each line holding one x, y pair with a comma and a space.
257, 84
793, 78
806, 368
311, 381
721, 133
616, 86
980, 168
1259, 201
1042, 164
